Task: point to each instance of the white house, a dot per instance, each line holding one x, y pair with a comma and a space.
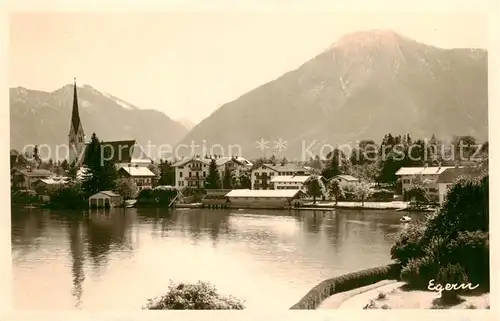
429, 175
246, 198
141, 176
449, 176
290, 182
193, 171
262, 176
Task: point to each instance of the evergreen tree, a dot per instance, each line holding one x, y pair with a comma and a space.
244, 180
213, 178
36, 156
228, 178
167, 173
337, 164
65, 165
72, 170
99, 174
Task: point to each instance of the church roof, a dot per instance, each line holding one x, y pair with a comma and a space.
75, 115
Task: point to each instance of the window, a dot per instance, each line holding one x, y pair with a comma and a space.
180, 174
189, 174
80, 139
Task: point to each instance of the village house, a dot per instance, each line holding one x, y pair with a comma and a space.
45, 186
427, 175
449, 176
275, 199
141, 176
261, 177
290, 182
193, 171
346, 179
23, 178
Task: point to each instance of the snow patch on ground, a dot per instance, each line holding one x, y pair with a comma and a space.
120, 102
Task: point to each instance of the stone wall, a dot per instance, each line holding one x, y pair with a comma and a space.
345, 283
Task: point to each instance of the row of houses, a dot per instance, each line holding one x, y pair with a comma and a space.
44, 181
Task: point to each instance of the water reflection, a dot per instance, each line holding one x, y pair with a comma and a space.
270, 251
77, 249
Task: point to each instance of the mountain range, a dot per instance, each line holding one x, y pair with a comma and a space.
38, 117
363, 86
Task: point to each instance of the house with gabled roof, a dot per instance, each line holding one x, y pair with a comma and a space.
261, 177
141, 176
427, 174
23, 178
192, 171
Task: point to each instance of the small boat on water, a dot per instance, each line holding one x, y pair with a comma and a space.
405, 219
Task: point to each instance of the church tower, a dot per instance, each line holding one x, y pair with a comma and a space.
76, 135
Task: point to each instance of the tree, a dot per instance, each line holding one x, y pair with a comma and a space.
244, 180
99, 174
72, 171
126, 188
36, 156
363, 191
213, 178
337, 164
65, 165
227, 178
313, 187
452, 244
335, 190
167, 173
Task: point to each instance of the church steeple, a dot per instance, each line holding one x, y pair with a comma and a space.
75, 115
76, 134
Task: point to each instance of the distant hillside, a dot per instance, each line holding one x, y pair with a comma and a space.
363, 86
38, 117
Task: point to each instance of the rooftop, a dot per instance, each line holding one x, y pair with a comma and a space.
422, 170
348, 178
137, 171
219, 160
108, 193
263, 193
35, 172
288, 167
290, 179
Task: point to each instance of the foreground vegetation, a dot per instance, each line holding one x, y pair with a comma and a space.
198, 296
451, 245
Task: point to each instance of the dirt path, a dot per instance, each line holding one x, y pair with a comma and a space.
361, 300
337, 300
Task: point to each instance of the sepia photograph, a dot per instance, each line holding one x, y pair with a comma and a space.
249, 160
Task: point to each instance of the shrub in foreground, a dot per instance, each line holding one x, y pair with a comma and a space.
453, 242
199, 296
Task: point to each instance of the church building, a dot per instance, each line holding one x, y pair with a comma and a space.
122, 154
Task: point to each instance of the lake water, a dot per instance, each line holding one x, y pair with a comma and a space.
120, 258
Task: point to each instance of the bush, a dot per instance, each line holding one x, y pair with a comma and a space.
382, 195
456, 237
409, 244
69, 197
199, 296
452, 274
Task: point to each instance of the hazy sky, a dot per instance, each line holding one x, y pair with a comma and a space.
189, 64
